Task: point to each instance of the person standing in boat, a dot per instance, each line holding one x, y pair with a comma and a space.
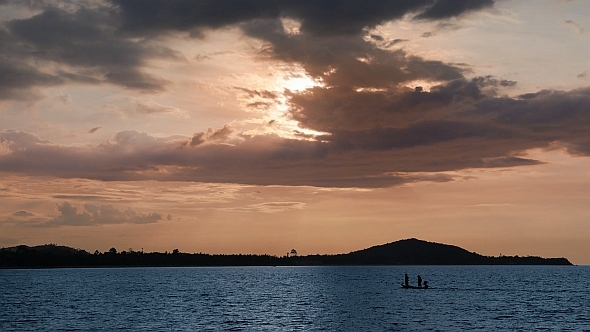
419, 281
407, 280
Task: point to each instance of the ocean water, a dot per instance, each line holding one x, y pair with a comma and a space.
461, 298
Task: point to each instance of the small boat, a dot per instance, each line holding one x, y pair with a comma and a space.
414, 287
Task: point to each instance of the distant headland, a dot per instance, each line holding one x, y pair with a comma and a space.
402, 252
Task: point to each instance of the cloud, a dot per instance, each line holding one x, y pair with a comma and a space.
377, 37
347, 60
65, 98
133, 79
155, 108
93, 130
90, 215
74, 43
263, 94
579, 28
419, 134
5, 147
270, 207
544, 110
111, 42
449, 8
80, 197
327, 109
442, 27
379, 128
547, 115
211, 136
346, 158
456, 125
346, 17
23, 214
17, 77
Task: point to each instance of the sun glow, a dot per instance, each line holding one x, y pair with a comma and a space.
297, 82
282, 123
268, 102
421, 86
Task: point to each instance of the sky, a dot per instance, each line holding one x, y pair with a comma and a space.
258, 126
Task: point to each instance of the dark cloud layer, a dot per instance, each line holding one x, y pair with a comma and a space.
110, 42
347, 60
81, 45
449, 8
318, 17
330, 109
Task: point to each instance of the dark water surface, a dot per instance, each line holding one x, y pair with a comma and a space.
462, 298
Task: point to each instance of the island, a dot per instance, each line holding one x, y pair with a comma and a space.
402, 252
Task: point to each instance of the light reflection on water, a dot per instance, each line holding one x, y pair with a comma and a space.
479, 298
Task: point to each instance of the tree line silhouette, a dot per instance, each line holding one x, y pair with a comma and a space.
403, 252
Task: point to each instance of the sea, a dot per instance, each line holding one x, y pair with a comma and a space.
343, 298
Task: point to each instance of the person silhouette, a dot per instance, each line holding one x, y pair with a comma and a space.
425, 284
419, 281
406, 280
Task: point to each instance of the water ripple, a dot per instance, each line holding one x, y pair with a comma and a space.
479, 298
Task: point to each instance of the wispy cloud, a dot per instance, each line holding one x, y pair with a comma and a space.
269, 207
578, 27
155, 108
89, 215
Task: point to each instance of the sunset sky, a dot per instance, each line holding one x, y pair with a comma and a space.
258, 126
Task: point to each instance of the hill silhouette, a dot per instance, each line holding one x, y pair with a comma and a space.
402, 252
417, 252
